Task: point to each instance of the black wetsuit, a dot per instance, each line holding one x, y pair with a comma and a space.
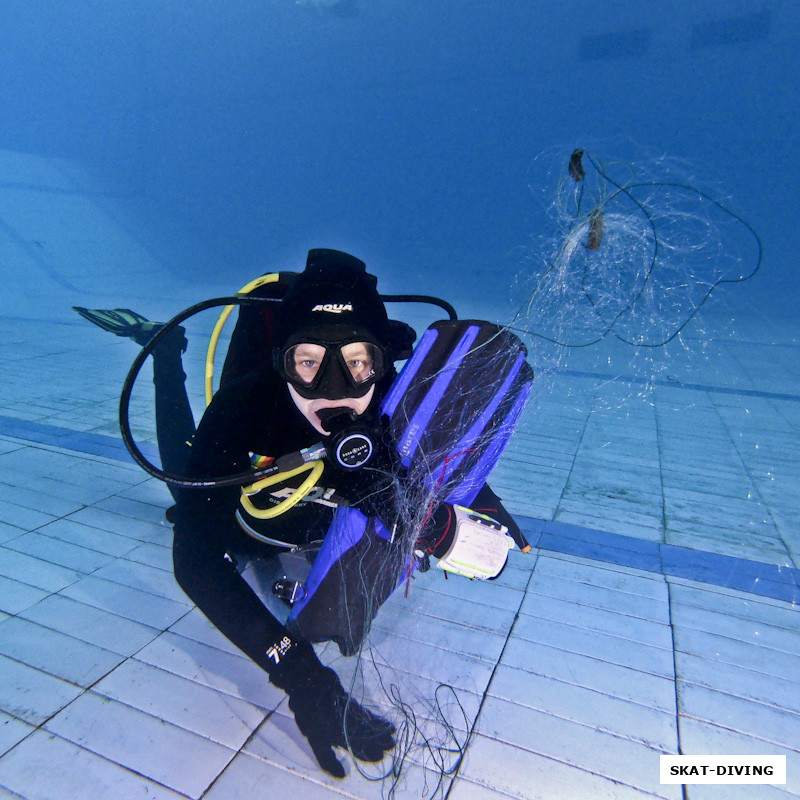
254, 414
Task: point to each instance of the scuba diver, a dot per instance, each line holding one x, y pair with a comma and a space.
314, 373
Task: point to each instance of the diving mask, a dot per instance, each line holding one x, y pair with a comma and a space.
332, 370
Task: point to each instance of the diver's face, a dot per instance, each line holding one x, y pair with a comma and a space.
332, 374
308, 408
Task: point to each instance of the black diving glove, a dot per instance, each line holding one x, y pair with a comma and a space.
325, 714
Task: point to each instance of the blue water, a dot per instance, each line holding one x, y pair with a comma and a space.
234, 136
154, 153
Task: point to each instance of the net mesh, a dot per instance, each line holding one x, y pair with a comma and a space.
634, 252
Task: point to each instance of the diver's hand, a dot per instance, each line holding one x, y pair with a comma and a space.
326, 715
438, 532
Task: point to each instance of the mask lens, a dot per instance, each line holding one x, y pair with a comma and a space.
302, 363
363, 361
333, 371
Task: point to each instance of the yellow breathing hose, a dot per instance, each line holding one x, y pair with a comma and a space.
316, 467
305, 487
211, 353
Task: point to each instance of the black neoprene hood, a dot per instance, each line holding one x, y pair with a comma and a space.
334, 299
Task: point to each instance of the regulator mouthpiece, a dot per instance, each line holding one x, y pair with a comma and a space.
351, 443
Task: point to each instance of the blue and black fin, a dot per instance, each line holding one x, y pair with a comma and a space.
454, 406
451, 412
119, 321
124, 322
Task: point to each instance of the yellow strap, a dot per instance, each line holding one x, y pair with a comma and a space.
272, 277
305, 487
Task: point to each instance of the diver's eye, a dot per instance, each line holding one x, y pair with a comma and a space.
304, 361
360, 370
306, 369
358, 360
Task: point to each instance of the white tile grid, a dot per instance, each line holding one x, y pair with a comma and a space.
78, 721
536, 777
768, 452
45, 767
579, 776
597, 688
699, 449
714, 499
45, 668
106, 726
609, 709
738, 679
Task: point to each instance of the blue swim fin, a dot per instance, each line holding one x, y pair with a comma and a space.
451, 412
454, 406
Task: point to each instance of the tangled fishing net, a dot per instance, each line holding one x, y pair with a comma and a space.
625, 279
634, 253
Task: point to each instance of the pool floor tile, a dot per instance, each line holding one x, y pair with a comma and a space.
128, 602
597, 597
750, 684
12, 731
68, 530
55, 653
773, 725
16, 596
35, 571
703, 738
536, 777
64, 554
590, 618
195, 707
224, 671
44, 767
596, 644
90, 624
602, 712
617, 758
30, 694
172, 756
249, 776
624, 683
